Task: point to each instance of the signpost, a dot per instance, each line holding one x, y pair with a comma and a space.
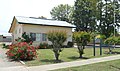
94, 46
100, 46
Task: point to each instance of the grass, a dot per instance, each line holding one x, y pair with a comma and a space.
46, 56
103, 66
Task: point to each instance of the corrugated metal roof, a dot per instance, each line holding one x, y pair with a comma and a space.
31, 20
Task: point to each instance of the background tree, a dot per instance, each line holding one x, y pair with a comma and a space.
84, 15
57, 38
62, 12
106, 11
42, 17
81, 38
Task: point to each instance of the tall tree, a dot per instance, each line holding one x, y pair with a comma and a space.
62, 12
84, 15
108, 16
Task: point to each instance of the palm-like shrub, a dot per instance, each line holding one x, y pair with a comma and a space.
81, 39
57, 38
21, 51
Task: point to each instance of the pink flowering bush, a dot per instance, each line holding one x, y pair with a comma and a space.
21, 51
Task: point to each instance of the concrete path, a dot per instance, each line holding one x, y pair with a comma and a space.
5, 62
61, 65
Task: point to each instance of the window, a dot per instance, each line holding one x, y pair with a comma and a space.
33, 36
44, 37
38, 36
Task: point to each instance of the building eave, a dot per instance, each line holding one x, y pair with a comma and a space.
46, 25
11, 25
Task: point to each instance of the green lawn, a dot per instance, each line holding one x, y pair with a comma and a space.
103, 66
46, 56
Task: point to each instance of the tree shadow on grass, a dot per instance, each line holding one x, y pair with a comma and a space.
52, 61
113, 52
26, 60
75, 58
115, 67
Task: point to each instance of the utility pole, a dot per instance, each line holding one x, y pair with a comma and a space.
114, 19
114, 16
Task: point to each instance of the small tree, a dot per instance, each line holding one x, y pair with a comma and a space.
81, 39
57, 38
111, 41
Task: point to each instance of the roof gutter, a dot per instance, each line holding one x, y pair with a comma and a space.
46, 25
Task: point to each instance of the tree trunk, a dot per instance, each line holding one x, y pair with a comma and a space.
56, 55
110, 51
80, 55
80, 49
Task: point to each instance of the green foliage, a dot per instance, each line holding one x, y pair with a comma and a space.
44, 46
118, 42
84, 15
42, 17
21, 51
62, 12
106, 10
57, 38
81, 38
70, 44
111, 40
26, 38
97, 15
100, 36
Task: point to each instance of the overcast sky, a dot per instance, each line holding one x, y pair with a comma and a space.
28, 8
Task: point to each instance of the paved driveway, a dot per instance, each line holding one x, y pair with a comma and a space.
4, 61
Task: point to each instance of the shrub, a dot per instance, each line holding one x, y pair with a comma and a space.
81, 39
70, 44
21, 51
118, 41
57, 38
26, 38
43, 46
111, 41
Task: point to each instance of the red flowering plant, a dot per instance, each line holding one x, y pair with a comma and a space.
21, 51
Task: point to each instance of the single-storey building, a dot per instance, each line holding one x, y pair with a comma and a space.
37, 28
5, 38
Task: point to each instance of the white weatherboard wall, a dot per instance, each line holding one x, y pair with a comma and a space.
45, 29
17, 32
